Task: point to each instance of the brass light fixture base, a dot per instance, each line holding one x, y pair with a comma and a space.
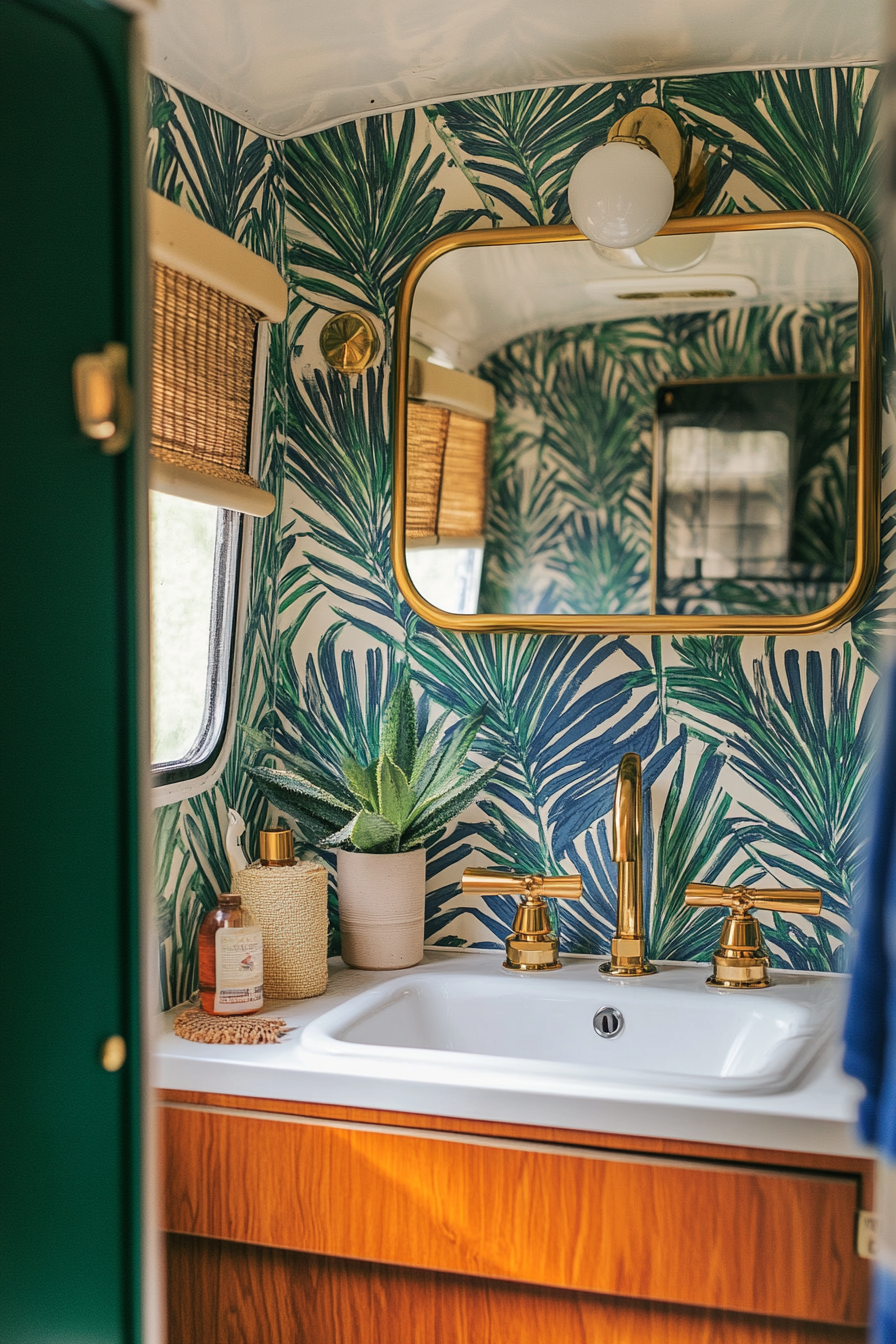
349, 342
533, 945
654, 129
741, 960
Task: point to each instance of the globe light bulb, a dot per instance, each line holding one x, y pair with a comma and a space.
620, 194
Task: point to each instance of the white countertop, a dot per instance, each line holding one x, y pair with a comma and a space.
817, 1115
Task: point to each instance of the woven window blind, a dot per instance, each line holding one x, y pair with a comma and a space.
447, 468
464, 467
202, 374
427, 435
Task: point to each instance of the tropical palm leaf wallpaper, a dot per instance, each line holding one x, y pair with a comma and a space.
570, 519
756, 754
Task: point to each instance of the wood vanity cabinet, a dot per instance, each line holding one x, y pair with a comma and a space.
292, 1222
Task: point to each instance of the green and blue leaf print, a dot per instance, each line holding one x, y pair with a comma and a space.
756, 755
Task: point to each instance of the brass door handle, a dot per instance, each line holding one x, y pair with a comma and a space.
103, 397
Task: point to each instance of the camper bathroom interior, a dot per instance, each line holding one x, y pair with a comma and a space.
450, 768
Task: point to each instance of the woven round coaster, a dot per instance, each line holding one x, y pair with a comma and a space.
240, 1029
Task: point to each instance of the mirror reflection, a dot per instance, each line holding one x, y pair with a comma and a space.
669, 429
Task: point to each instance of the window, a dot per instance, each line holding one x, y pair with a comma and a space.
754, 493
193, 563
447, 576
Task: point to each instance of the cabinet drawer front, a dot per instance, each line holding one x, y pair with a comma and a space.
726, 1236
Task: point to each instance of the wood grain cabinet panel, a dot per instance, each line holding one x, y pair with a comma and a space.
220, 1292
708, 1234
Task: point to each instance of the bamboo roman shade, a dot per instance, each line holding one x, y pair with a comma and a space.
447, 468
447, 453
202, 372
209, 295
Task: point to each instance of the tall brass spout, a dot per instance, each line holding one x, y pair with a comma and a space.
628, 950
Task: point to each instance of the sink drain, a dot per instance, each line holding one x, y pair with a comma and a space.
608, 1022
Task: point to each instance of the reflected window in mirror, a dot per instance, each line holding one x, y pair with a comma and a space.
451, 574
754, 494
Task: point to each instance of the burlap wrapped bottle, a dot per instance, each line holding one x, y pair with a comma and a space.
289, 902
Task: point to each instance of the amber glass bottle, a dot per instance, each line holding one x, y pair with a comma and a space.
231, 973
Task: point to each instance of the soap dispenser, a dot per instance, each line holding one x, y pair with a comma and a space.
288, 898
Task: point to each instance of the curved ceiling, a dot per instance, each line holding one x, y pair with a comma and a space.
286, 68
472, 301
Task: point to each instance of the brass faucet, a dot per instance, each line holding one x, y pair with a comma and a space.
628, 950
741, 961
533, 945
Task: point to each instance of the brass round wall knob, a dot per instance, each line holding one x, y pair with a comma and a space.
349, 342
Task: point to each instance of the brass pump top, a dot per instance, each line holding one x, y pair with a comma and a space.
533, 945
275, 847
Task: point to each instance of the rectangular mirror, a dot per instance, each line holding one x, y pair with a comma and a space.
682, 436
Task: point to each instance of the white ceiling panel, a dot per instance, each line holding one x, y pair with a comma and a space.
471, 301
289, 67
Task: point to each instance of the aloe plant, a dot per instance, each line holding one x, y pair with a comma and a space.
419, 782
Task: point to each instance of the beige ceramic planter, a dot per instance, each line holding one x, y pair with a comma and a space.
381, 908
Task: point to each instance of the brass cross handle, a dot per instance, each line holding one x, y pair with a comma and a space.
533, 945
741, 960
531, 886
788, 900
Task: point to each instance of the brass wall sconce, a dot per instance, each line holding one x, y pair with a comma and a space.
623, 192
349, 343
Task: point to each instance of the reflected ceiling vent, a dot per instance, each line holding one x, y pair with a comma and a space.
671, 288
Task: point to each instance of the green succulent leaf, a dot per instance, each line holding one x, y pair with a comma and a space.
361, 780
290, 791
374, 834
400, 726
320, 780
425, 750
396, 799
313, 828
446, 763
447, 807
339, 839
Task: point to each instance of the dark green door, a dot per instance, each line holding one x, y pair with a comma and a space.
69, 1155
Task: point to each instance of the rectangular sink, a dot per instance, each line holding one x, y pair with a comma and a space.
675, 1032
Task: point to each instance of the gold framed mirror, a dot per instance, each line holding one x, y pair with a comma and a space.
683, 437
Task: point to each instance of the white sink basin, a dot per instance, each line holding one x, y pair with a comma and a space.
676, 1032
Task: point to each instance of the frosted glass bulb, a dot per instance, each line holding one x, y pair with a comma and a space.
675, 251
620, 194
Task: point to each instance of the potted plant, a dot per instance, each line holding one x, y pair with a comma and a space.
379, 815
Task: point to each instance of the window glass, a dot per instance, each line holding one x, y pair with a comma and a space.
447, 576
192, 550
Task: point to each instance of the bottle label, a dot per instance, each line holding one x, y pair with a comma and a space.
239, 976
